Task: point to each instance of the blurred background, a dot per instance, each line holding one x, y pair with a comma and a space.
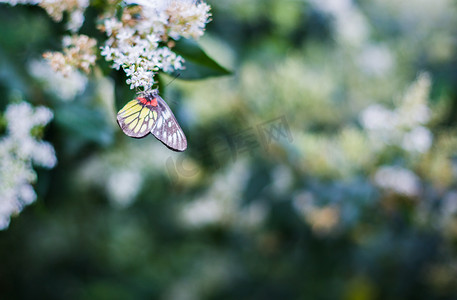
324, 167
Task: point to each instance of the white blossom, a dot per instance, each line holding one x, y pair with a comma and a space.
15, 2
405, 125
133, 42
418, 140
64, 87
221, 203
75, 20
398, 180
376, 59
350, 25
56, 8
122, 179
19, 150
140, 42
123, 186
377, 117
78, 53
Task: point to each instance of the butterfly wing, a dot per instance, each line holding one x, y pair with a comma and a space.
136, 118
151, 114
167, 129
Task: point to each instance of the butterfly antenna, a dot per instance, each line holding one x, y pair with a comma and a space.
177, 75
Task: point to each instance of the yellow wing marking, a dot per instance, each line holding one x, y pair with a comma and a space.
129, 105
132, 110
129, 120
155, 115
144, 112
132, 126
137, 129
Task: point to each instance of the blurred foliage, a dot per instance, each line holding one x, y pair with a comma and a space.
284, 192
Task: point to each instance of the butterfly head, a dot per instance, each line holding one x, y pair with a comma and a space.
154, 93
149, 98
149, 93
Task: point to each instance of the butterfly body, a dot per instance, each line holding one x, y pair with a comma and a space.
150, 114
151, 101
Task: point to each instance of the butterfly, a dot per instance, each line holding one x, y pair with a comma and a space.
149, 113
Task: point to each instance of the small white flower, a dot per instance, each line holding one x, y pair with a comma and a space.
134, 45
204, 211
404, 126
44, 155
377, 117
65, 88
418, 140
350, 25
221, 203
399, 180
123, 186
76, 20
27, 194
18, 150
15, 2
376, 60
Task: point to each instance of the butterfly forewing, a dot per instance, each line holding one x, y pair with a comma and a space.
151, 114
136, 119
167, 129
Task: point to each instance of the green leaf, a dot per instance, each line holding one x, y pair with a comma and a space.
198, 64
85, 123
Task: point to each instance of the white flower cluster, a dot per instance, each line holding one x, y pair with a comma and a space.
75, 9
222, 205
19, 149
140, 42
404, 126
350, 25
56, 8
15, 2
79, 52
108, 169
64, 87
137, 41
399, 180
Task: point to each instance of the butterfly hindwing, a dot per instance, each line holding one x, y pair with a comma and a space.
136, 119
167, 129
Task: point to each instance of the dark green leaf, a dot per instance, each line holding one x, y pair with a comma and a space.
198, 64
